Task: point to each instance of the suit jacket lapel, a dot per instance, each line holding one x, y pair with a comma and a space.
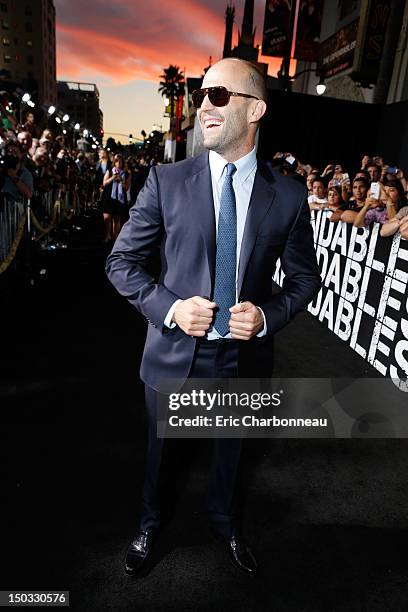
200, 193
261, 200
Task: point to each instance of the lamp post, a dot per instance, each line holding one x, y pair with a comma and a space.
50, 112
75, 134
24, 100
320, 87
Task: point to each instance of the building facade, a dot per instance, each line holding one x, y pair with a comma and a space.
81, 102
28, 49
363, 52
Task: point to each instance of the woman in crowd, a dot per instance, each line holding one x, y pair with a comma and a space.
101, 168
129, 169
348, 211
114, 204
399, 222
334, 198
392, 198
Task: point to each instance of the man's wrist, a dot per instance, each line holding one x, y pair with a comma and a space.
262, 332
173, 320
169, 320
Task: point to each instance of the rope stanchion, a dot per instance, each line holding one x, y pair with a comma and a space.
13, 250
37, 224
55, 207
56, 219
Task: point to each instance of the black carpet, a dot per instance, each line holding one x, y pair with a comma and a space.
327, 519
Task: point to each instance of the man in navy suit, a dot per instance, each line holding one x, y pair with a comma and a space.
221, 220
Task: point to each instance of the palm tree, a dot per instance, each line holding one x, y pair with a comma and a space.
172, 85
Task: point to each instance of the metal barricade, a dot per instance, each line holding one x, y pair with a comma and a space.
36, 220
13, 215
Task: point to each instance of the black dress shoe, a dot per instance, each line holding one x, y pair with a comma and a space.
138, 552
239, 552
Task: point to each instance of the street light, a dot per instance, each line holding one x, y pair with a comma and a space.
31, 103
321, 86
85, 133
65, 118
25, 99
76, 126
51, 110
57, 119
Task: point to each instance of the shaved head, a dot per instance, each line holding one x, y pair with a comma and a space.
252, 77
230, 130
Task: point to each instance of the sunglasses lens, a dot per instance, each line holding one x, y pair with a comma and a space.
198, 96
218, 96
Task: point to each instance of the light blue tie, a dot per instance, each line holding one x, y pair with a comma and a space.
226, 259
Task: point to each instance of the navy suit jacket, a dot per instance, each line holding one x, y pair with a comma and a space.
175, 211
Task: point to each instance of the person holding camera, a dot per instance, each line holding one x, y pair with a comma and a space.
116, 183
349, 209
18, 181
381, 207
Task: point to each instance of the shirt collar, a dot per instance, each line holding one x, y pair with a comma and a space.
245, 165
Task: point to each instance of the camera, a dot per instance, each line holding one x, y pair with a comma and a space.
10, 162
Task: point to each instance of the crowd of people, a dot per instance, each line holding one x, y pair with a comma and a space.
35, 162
377, 192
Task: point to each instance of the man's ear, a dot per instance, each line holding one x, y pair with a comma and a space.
257, 112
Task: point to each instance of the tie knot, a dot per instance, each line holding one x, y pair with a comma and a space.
231, 168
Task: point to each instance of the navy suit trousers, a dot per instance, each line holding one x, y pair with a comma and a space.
212, 359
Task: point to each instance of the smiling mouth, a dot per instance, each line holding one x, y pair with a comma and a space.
212, 123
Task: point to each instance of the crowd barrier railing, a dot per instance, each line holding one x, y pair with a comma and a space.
364, 297
37, 217
13, 223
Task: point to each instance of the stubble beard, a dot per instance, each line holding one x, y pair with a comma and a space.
229, 139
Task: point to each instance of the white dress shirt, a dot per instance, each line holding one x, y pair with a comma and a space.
243, 182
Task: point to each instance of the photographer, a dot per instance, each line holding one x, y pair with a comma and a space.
61, 166
43, 171
18, 181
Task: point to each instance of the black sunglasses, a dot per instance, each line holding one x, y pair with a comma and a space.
218, 96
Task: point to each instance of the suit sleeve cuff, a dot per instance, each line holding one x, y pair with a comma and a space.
264, 330
167, 321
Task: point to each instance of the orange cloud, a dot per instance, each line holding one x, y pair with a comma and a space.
124, 49
125, 41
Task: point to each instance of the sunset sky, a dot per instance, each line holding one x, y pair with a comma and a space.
123, 46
